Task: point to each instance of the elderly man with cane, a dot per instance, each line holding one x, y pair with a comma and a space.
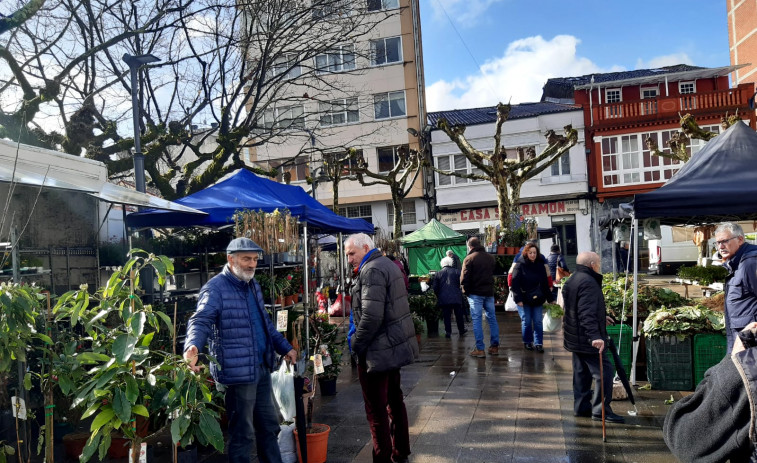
584, 334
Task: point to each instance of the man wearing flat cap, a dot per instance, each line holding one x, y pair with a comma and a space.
232, 320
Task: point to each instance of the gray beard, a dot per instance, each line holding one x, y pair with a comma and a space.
241, 274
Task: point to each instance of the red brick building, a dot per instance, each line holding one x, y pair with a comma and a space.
742, 39
622, 109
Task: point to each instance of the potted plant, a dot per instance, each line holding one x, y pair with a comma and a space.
418, 326
126, 378
425, 306
325, 340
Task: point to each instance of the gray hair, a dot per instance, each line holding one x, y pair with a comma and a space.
733, 228
450, 253
447, 261
359, 240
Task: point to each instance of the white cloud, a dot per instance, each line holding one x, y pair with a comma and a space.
464, 12
665, 60
518, 76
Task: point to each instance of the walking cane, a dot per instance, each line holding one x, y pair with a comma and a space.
602, 392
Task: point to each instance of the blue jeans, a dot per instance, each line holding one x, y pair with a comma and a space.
479, 304
531, 327
252, 413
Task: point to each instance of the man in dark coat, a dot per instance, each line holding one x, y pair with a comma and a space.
384, 341
232, 320
715, 423
584, 334
477, 281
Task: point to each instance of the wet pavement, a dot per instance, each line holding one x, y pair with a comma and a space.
514, 407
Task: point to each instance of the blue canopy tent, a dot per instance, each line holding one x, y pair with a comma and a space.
245, 190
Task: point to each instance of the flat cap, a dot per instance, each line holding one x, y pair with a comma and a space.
242, 245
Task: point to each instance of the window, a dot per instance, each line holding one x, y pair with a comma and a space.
347, 162
650, 92
357, 212
649, 107
287, 65
391, 104
385, 51
297, 172
687, 91
342, 111
388, 157
459, 164
284, 117
376, 5
331, 8
341, 58
613, 98
408, 213
561, 166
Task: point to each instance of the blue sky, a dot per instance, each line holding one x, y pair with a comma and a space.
516, 45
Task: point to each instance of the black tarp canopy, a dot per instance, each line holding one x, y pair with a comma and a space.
718, 184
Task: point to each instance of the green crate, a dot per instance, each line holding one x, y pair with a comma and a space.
669, 363
624, 344
709, 350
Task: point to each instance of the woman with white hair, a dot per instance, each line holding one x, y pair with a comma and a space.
449, 296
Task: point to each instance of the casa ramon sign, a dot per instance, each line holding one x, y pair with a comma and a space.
492, 213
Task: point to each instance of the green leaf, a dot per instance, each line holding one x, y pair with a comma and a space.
132, 389
166, 320
103, 417
91, 410
123, 347
147, 339
65, 384
160, 270
104, 446
89, 449
138, 323
167, 263
46, 339
28, 381
121, 405
92, 357
178, 428
140, 410
212, 430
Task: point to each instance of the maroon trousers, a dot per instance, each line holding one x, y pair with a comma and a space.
386, 413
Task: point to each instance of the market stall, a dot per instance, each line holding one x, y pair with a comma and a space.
426, 246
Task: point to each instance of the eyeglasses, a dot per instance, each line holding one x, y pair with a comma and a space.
723, 242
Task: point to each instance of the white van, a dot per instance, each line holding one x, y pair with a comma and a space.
665, 255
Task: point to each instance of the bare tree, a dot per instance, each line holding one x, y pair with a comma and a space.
507, 175
679, 141
400, 179
232, 75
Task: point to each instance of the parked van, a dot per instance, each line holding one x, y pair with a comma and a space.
665, 256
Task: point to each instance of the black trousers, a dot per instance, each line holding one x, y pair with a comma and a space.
447, 310
586, 369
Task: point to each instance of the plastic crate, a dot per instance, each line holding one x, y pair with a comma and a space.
624, 344
669, 363
709, 350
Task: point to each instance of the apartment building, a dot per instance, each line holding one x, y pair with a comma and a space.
369, 97
742, 39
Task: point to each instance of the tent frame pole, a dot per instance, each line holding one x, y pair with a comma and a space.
306, 297
635, 253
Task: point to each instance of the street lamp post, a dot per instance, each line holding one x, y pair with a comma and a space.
134, 63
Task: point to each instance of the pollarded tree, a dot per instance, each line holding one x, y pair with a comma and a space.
400, 179
242, 69
507, 175
679, 141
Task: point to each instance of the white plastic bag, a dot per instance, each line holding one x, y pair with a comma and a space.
282, 381
510, 305
549, 323
287, 445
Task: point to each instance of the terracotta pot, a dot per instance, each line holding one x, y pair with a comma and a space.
290, 300
317, 442
119, 447
74, 443
501, 250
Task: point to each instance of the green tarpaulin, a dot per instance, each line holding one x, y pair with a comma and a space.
428, 245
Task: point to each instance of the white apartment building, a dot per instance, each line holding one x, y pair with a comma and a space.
370, 93
556, 198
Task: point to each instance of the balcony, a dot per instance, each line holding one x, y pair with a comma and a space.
664, 108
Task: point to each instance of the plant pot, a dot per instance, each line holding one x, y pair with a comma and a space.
418, 337
432, 328
73, 444
119, 447
327, 385
61, 429
500, 250
291, 299
317, 442
187, 455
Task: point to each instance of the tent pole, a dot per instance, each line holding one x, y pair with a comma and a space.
340, 256
635, 253
307, 290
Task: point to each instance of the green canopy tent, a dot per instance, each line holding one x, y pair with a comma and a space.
426, 246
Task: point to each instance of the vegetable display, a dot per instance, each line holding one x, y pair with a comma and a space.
683, 321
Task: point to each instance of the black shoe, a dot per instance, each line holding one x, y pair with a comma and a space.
399, 459
609, 417
462, 333
447, 335
528, 346
586, 414
539, 348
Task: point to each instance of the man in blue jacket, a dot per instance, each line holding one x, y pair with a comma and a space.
740, 258
232, 320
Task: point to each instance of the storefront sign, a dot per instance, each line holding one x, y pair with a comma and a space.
492, 213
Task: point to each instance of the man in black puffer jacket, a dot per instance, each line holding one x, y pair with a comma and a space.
584, 334
384, 341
